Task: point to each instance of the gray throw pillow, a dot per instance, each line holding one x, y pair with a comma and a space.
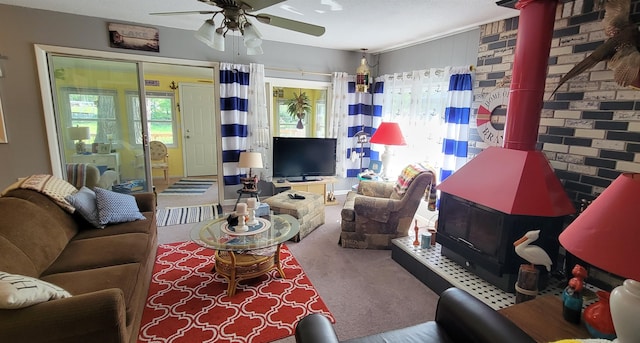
85, 203
116, 207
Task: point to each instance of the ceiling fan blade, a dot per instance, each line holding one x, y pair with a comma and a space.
185, 12
290, 24
208, 2
256, 5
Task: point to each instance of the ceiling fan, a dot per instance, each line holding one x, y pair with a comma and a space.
235, 15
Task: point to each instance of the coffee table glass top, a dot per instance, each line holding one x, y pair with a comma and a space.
269, 231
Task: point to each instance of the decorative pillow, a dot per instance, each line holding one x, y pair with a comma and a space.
18, 291
116, 207
85, 203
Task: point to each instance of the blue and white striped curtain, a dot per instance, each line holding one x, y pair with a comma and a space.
234, 94
457, 114
360, 118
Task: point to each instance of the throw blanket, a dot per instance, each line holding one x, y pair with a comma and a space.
409, 173
77, 174
53, 187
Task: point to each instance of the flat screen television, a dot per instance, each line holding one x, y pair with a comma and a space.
303, 159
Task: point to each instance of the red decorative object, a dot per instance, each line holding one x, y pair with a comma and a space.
605, 235
388, 133
187, 302
598, 317
416, 242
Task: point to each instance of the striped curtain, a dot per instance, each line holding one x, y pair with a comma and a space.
359, 120
457, 114
234, 94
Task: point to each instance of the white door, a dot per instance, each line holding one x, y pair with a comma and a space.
197, 107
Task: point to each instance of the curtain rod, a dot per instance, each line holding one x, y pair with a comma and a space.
302, 72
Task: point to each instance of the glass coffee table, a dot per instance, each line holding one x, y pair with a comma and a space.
249, 254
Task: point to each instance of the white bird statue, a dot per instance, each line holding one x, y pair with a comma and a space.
532, 253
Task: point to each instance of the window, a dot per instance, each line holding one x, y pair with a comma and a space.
161, 117
288, 125
417, 103
95, 109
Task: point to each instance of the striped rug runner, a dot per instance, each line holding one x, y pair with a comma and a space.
189, 214
189, 187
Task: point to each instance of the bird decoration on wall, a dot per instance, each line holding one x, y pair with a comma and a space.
620, 50
532, 253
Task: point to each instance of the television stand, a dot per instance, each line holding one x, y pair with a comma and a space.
317, 187
305, 179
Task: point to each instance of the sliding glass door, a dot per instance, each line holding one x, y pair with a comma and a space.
96, 121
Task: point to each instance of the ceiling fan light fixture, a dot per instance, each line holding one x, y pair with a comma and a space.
255, 51
218, 39
251, 35
206, 32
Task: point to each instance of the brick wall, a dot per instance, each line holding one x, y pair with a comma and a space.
590, 129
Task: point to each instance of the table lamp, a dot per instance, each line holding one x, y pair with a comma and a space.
78, 133
250, 160
607, 235
388, 133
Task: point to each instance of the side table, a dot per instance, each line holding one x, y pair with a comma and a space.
250, 193
542, 319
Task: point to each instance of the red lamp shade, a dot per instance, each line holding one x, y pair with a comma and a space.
388, 134
606, 235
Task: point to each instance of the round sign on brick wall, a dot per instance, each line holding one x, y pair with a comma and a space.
486, 130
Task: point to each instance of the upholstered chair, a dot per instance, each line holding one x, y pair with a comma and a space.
86, 174
376, 213
160, 158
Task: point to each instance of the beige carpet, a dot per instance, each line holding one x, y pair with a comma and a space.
366, 290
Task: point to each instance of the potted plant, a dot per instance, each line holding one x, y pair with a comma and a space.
298, 106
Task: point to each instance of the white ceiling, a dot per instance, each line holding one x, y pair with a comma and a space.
376, 25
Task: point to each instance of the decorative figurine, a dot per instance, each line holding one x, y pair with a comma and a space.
528, 275
572, 295
251, 207
416, 242
532, 253
241, 211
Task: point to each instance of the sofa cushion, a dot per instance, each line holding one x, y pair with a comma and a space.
138, 226
116, 207
30, 238
81, 254
85, 203
18, 291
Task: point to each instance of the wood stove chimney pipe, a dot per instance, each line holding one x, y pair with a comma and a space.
531, 58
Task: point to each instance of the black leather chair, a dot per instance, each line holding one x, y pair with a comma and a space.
460, 317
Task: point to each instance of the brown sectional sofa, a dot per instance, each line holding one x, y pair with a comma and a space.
107, 271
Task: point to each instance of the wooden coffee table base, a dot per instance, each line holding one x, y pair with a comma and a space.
236, 267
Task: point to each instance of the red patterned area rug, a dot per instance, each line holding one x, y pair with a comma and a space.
188, 303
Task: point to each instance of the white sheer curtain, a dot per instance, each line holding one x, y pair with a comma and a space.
259, 135
338, 119
416, 100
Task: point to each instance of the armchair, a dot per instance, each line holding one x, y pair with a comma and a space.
86, 174
378, 212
